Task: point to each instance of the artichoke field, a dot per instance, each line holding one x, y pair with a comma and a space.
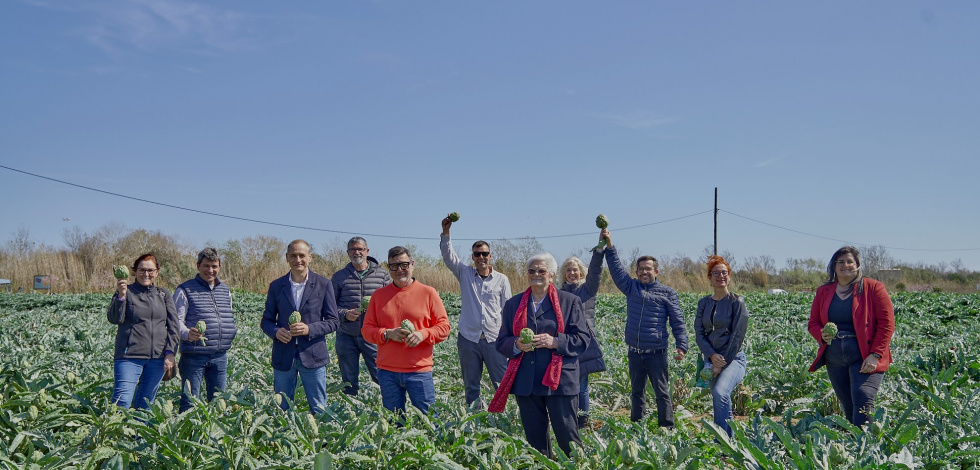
56, 382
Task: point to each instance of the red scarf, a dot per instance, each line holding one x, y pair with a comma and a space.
552, 375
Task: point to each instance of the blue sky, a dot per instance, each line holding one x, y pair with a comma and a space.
853, 121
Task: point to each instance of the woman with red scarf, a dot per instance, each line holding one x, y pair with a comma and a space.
858, 354
543, 375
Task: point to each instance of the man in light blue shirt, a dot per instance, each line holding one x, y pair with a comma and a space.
483, 293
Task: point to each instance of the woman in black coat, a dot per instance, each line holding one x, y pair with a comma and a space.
584, 282
543, 375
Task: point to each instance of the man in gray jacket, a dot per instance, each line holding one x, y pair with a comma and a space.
650, 306
360, 278
204, 357
484, 292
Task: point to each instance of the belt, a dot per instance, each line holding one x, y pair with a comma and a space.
646, 351
845, 335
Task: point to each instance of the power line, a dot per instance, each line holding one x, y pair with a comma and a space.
301, 227
844, 241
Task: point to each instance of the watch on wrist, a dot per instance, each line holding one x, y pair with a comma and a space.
876, 355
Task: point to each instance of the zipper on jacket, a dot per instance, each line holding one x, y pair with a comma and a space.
639, 324
152, 339
217, 316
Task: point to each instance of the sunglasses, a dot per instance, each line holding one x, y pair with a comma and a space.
481, 254
539, 272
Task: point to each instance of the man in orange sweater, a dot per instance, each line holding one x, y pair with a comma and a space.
405, 357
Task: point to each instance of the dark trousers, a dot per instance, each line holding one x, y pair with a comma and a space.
472, 357
212, 369
652, 366
561, 410
350, 349
855, 391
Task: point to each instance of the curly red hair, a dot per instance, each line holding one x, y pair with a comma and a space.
715, 260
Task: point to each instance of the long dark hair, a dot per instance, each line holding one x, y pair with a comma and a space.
858, 282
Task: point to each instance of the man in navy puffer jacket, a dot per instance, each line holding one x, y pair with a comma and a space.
650, 305
360, 278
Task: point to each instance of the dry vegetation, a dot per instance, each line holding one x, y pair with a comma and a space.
85, 263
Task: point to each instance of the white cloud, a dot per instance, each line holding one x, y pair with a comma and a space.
640, 121
126, 26
637, 121
767, 162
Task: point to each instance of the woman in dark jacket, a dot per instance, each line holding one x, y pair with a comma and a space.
147, 336
584, 282
543, 374
858, 355
720, 324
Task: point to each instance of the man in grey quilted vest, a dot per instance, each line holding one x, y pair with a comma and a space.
204, 357
652, 312
360, 278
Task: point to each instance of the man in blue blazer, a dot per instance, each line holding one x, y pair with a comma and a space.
300, 347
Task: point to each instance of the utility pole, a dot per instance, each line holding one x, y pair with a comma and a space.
716, 221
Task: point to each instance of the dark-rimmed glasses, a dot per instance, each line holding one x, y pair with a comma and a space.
394, 267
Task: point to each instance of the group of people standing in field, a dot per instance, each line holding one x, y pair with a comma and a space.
547, 372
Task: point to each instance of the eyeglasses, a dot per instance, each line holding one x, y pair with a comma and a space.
481, 254
394, 267
146, 271
848, 262
357, 250
539, 272
719, 273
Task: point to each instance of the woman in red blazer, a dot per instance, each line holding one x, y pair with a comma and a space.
858, 355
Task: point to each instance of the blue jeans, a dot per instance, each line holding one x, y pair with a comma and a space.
722, 387
472, 357
855, 391
136, 381
314, 382
583, 394
195, 368
651, 365
394, 385
350, 349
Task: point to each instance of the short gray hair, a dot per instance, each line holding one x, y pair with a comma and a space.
209, 254
549, 262
354, 240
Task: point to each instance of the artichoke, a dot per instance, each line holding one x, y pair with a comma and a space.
830, 328
408, 326
121, 272
630, 453
706, 373
295, 317
201, 328
454, 216
527, 336
602, 221
365, 301
838, 455
671, 454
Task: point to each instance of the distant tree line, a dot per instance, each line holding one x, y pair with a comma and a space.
84, 263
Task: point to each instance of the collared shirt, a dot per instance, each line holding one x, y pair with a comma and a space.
482, 299
298, 288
